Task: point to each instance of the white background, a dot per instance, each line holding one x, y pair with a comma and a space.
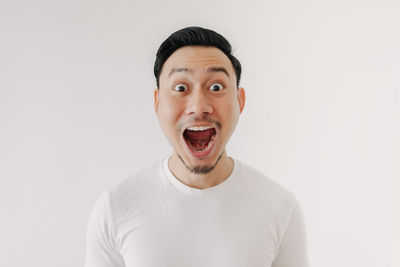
321, 117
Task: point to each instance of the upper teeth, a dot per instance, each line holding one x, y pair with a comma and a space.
199, 128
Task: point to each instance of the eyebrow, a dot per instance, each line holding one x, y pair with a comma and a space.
209, 69
178, 70
218, 69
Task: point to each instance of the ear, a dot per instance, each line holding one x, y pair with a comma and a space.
241, 96
156, 99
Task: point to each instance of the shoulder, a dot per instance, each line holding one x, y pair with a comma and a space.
132, 192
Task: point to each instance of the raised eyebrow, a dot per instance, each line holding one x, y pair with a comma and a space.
218, 69
174, 70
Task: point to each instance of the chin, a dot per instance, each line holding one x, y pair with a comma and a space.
200, 166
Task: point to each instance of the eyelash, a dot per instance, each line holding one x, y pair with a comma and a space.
180, 84
222, 85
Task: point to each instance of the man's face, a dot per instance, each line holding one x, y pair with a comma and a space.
198, 105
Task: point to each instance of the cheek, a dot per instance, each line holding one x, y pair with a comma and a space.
229, 109
229, 113
168, 113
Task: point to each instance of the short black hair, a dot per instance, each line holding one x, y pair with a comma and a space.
194, 36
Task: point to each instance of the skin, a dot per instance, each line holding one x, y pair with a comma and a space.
198, 87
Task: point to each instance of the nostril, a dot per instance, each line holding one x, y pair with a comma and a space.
198, 105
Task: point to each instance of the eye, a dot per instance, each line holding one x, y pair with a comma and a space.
216, 87
180, 87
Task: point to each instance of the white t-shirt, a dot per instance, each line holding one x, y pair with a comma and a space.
152, 219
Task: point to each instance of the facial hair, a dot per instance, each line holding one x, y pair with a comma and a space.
201, 169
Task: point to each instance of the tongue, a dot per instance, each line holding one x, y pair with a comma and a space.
199, 139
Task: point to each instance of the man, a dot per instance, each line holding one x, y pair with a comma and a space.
198, 207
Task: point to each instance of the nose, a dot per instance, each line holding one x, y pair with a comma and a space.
198, 103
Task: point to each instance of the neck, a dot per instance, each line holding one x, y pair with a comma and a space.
220, 173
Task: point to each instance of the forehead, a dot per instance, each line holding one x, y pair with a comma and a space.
197, 58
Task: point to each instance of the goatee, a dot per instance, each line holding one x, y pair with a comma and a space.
201, 169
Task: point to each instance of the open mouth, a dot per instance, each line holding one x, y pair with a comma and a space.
200, 138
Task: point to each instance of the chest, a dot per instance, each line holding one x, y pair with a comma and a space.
198, 234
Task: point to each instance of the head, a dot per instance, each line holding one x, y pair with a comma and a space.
198, 99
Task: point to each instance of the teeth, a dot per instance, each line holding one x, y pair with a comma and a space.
199, 128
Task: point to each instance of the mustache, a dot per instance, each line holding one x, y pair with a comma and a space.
201, 119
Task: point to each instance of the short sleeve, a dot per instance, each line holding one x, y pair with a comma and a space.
101, 249
292, 251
